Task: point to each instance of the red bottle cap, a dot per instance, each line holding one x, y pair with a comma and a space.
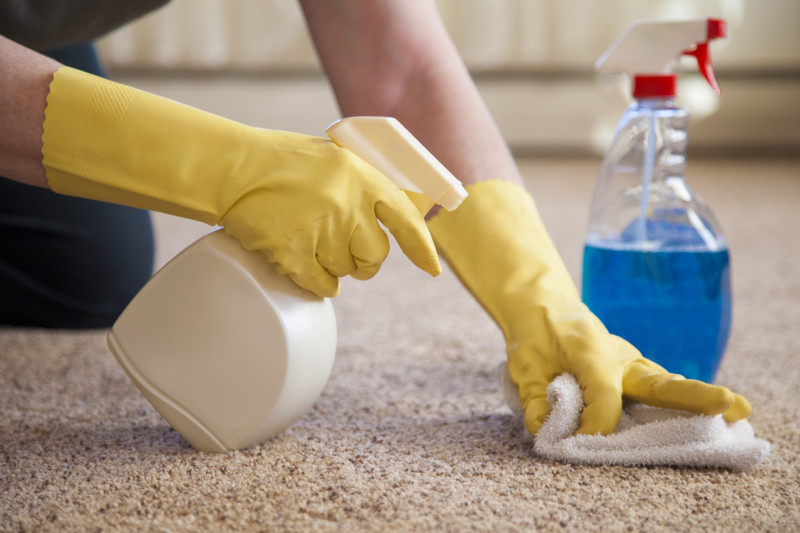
655, 86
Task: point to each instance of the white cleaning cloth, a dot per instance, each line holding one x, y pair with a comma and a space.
645, 435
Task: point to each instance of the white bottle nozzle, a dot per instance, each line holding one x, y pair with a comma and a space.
388, 146
651, 48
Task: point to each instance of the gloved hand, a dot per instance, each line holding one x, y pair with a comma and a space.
496, 243
312, 207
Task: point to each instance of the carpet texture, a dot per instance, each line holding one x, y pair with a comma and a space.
411, 432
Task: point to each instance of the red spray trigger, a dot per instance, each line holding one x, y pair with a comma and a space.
716, 29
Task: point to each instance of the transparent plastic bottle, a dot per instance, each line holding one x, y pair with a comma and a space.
656, 266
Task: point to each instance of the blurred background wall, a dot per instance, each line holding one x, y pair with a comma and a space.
251, 60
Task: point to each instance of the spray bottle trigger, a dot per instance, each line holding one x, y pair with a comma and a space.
715, 29
704, 65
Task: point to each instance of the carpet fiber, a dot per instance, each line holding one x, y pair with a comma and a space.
411, 432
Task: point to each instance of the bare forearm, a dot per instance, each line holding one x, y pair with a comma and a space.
24, 82
395, 58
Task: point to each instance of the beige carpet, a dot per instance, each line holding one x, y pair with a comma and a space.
411, 433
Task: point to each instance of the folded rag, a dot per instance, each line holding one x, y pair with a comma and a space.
645, 435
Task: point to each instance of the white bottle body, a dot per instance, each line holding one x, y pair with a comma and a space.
229, 352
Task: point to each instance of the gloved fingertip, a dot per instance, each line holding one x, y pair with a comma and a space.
533, 424
324, 285
536, 411
365, 272
328, 292
436, 267
427, 262
740, 410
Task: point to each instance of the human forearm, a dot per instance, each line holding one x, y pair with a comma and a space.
395, 58
25, 78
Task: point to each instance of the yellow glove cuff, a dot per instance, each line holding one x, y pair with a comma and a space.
110, 142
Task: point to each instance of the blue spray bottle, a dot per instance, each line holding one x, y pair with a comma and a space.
656, 267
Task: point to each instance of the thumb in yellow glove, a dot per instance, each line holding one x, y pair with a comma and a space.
313, 208
497, 245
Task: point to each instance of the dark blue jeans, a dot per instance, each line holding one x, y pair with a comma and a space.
68, 262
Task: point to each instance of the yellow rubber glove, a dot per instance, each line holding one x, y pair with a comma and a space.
312, 207
497, 245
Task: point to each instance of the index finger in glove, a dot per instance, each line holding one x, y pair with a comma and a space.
648, 383
407, 225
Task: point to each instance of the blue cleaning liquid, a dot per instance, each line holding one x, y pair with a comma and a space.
673, 305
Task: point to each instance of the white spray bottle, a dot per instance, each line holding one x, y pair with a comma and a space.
656, 266
230, 352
